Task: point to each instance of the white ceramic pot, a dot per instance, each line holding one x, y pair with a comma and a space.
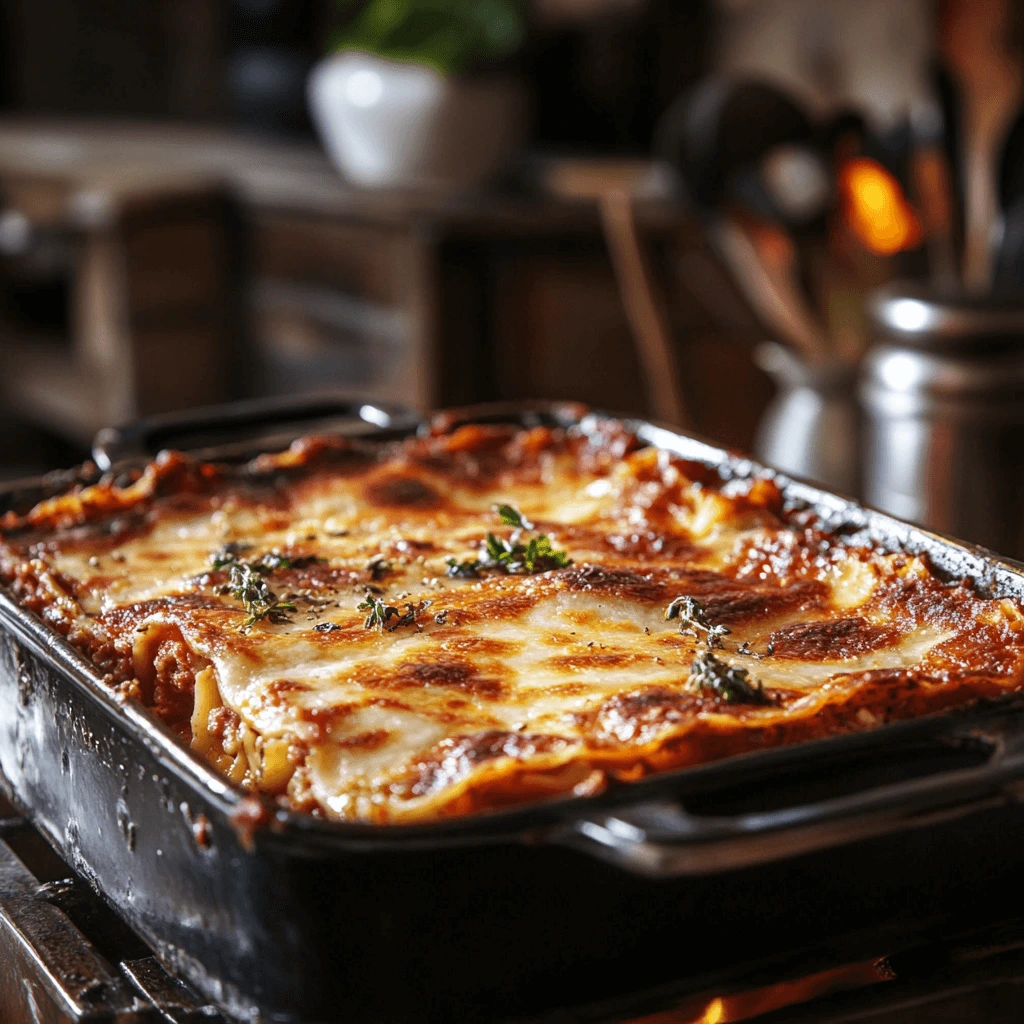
392, 125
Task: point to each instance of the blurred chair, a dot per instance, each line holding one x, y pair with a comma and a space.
616, 187
687, 370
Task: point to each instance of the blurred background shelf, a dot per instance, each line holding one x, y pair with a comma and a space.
697, 202
292, 278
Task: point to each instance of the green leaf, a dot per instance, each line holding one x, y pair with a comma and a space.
513, 517
384, 20
709, 674
246, 582
378, 613
448, 35
502, 25
496, 549
541, 556
248, 586
469, 570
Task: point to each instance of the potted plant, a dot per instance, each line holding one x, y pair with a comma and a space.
416, 93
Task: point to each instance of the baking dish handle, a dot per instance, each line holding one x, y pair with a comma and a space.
660, 839
241, 428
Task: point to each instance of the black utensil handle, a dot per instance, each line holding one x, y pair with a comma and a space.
660, 839
241, 427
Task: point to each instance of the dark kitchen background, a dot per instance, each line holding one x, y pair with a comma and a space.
675, 209
795, 227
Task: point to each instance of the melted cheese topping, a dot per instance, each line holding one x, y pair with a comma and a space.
498, 688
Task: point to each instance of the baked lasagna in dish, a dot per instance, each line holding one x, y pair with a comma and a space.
487, 616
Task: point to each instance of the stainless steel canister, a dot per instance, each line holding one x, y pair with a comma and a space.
811, 428
943, 403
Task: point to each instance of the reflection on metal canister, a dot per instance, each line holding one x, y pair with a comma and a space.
943, 400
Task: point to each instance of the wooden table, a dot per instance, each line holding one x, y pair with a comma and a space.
426, 299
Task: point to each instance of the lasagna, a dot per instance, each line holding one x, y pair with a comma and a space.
398, 631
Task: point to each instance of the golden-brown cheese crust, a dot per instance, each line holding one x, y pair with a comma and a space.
504, 688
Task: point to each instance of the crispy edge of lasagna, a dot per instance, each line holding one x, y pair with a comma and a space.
490, 685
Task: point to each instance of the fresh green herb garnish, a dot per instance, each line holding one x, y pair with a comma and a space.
248, 586
408, 617
693, 620
379, 614
378, 567
246, 581
228, 555
265, 564
498, 550
513, 555
709, 674
541, 556
513, 517
469, 570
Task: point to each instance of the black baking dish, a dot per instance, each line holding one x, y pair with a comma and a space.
501, 915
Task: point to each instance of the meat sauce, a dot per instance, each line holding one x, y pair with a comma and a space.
403, 631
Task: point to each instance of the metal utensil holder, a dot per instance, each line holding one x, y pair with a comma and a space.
811, 428
943, 401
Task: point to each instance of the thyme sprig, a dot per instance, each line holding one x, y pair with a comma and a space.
379, 613
227, 556
730, 683
511, 555
248, 585
247, 582
468, 570
693, 620
510, 516
378, 567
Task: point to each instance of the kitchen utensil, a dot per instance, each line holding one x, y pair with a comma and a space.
943, 397
811, 427
931, 178
765, 270
989, 75
791, 188
748, 145
723, 126
1009, 266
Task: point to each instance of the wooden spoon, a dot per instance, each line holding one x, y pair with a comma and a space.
976, 42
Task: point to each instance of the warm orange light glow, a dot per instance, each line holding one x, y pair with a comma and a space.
744, 1005
876, 209
714, 1013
